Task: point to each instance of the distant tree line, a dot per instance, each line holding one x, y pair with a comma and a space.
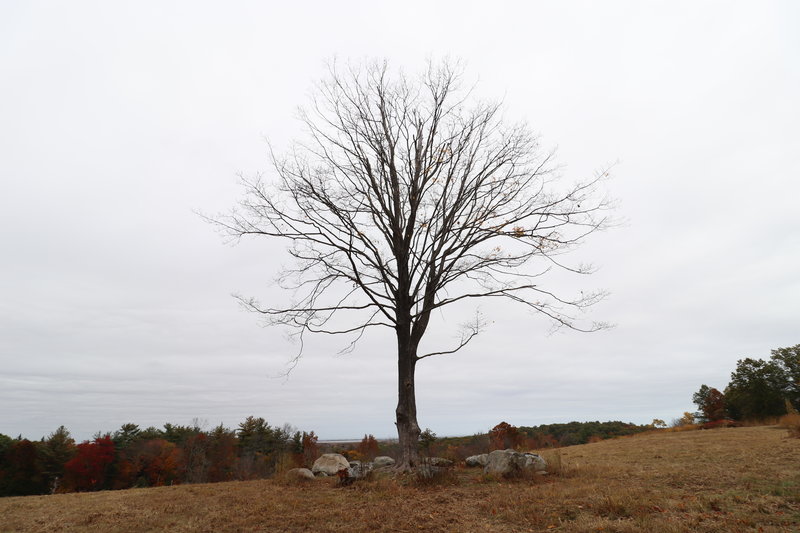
573, 433
134, 457
759, 389
504, 436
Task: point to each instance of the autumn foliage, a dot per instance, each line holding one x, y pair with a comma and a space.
504, 436
134, 457
90, 468
368, 448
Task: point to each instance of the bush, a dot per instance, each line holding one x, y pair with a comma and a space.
367, 449
504, 436
725, 423
792, 423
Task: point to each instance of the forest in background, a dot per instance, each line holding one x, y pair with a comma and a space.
760, 391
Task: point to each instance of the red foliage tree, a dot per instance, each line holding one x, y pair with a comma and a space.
310, 449
504, 436
89, 469
162, 462
222, 455
368, 448
714, 407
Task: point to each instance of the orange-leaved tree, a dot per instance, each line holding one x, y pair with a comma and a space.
504, 436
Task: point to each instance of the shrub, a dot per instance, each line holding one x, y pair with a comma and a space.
367, 448
310, 449
504, 436
725, 423
426, 439
792, 423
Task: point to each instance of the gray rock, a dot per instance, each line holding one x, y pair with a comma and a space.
511, 463
438, 462
477, 460
428, 471
359, 470
535, 462
383, 461
330, 464
301, 474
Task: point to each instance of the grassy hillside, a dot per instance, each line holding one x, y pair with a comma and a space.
734, 479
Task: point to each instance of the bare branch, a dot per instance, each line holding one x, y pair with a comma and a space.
406, 197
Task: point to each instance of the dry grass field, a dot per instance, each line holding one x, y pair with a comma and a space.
734, 479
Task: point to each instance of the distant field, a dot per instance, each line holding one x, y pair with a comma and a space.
735, 479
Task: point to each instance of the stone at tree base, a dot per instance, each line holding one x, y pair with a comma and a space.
329, 464
477, 460
511, 462
439, 462
382, 461
301, 474
428, 471
358, 469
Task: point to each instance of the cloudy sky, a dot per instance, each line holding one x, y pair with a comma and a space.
119, 120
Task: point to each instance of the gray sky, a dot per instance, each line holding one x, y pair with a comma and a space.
118, 119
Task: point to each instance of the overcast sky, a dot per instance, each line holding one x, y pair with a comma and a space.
117, 120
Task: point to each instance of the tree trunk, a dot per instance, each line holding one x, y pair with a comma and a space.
407, 428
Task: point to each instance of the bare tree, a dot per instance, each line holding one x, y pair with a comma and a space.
409, 196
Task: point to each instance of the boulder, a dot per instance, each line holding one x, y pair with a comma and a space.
438, 462
428, 471
512, 463
477, 460
300, 474
359, 470
329, 464
535, 462
383, 461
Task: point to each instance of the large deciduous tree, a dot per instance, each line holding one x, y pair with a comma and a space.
788, 360
408, 196
757, 390
710, 402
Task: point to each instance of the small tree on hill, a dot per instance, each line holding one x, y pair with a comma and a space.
426, 440
310, 449
368, 448
504, 436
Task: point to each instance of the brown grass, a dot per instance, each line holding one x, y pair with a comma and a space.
730, 479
